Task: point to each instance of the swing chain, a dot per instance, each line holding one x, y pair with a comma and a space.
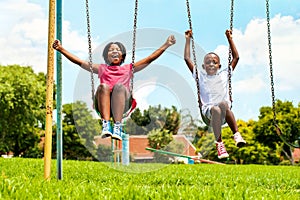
270, 61
189, 14
278, 131
134, 31
194, 55
133, 44
90, 49
229, 54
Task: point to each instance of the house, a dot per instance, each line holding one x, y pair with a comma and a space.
138, 144
296, 155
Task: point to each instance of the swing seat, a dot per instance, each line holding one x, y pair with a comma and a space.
132, 107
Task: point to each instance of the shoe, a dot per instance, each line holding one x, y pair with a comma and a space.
222, 153
117, 133
106, 129
239, 141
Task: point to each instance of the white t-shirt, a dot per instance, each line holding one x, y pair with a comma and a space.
213, 89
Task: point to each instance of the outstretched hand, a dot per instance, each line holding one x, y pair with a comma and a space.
56, 45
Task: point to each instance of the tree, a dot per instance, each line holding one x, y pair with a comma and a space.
172, 120
159, 138
254, 152
79, 129
153, 118
190, 127
22, 99
289, 123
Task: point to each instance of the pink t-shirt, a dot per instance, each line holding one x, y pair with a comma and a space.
112, 75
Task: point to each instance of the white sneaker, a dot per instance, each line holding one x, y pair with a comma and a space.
239, 141
106, 129
117, 131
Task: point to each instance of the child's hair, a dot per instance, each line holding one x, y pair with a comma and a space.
106, 48
215, 55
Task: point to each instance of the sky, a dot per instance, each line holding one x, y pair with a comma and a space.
167, 81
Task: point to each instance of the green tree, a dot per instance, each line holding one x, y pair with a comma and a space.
289, 123
254, 152
172, 120
22, 105
79, 130
159, 138
154, 118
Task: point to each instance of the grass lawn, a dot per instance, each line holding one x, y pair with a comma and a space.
24, 179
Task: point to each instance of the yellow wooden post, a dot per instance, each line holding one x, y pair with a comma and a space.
49, 94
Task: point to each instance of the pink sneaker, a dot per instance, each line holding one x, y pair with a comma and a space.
239, 141
222, 153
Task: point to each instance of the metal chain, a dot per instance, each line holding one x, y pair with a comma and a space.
194, 55
278, 130
229, 54
133, 44
90, 49
270, 61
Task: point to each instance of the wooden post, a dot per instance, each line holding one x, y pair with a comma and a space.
49, 94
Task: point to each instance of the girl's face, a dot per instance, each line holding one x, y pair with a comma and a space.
114, 55
211, 64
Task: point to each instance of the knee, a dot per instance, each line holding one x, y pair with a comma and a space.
224, 106
215, 110
103, 88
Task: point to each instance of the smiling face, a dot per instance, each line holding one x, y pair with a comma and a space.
211, 63
114, 53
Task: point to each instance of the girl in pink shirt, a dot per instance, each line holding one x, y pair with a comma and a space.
113, 97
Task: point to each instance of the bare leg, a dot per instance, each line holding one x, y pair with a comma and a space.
118, 99
216, 122
103, 96
231, 121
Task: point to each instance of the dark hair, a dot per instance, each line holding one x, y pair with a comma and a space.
106, 48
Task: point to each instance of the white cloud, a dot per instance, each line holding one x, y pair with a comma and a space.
141, 93
251, 85
24, 40
254, 53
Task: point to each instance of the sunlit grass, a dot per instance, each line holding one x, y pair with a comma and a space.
23, 179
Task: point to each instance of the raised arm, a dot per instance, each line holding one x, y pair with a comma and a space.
187, 53
146, 61
74, 59
235, 54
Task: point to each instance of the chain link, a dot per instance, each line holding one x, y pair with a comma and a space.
90, 49
278, 130
194, 59
133, 44
230, 54
270, 61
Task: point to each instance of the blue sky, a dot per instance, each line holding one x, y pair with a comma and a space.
24, 42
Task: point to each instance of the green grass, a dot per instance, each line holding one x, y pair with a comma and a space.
24, 179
